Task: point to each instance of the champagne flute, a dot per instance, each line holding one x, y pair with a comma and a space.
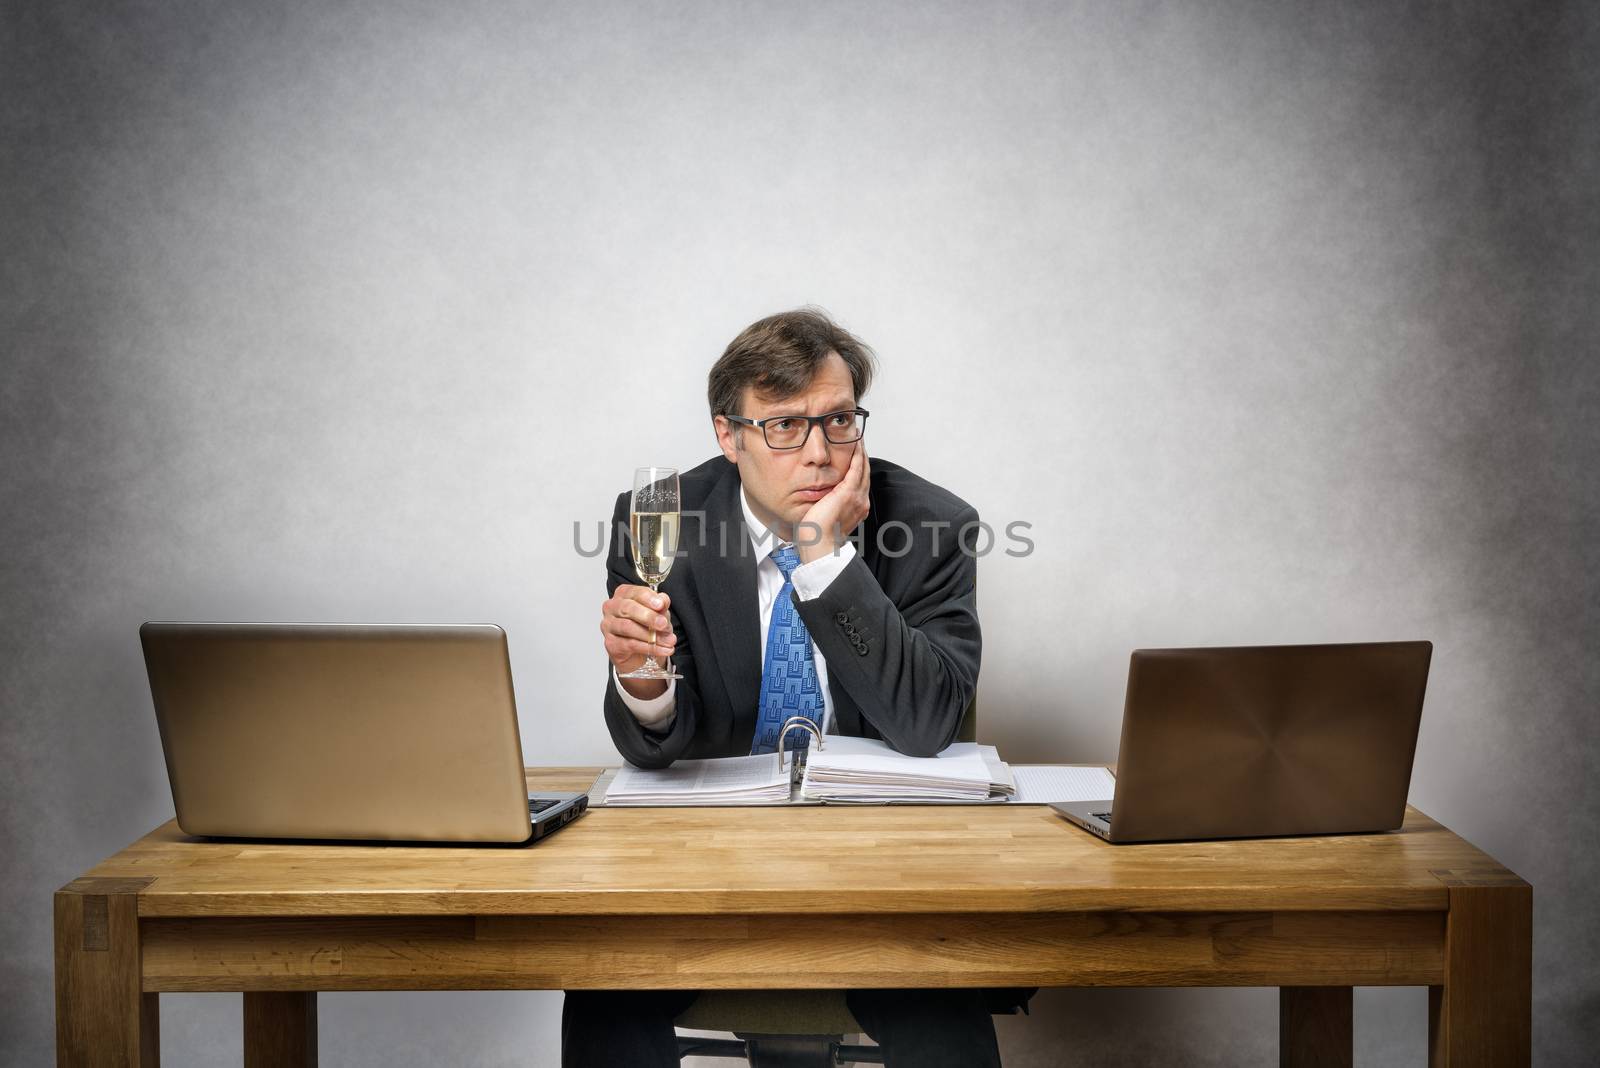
653, 529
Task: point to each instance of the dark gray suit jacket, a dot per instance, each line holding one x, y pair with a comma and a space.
898, 626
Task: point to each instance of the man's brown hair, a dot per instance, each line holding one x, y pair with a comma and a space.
778, 356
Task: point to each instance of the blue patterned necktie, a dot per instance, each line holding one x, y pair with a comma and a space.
789, 677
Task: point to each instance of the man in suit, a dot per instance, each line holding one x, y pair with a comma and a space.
775, 609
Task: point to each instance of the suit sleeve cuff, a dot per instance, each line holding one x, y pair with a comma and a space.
655, 714
811, 580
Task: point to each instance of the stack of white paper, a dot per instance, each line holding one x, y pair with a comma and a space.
865, 770
747, 780
1001, 780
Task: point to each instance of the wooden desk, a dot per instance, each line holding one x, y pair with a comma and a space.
701, 898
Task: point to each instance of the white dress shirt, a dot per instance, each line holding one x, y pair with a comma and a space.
809, 580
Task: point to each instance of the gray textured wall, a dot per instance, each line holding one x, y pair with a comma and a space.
1276, 320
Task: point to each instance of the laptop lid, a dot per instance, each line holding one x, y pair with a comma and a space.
1257, 741
354, 731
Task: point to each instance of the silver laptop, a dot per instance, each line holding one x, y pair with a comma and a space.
1257, 741
345, 731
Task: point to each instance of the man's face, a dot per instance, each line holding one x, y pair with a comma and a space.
783, 484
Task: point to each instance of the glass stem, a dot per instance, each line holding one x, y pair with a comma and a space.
650, 658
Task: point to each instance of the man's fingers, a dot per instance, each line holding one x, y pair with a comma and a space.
622, 649
627, 621
634, 612
641, 594
625, 654
625, 631
641, 608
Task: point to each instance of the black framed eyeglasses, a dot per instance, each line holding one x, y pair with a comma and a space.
792, 431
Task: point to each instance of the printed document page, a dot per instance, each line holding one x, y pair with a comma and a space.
1040, 784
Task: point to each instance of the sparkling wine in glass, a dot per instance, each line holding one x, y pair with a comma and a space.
653, 530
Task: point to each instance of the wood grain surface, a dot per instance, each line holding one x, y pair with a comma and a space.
838, 859
916, 896
731, 952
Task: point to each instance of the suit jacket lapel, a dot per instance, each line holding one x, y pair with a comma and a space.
725, 580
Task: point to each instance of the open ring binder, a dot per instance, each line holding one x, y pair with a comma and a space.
783, 733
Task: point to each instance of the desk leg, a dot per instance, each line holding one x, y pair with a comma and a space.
1483, 1015
1315, 1027
102, 1015
280, 1030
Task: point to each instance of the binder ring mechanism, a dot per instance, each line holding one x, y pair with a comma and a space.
783, 732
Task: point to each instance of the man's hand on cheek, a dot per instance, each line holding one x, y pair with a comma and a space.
824, 527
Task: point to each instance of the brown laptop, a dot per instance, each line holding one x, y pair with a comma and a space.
1257, 741
389, 732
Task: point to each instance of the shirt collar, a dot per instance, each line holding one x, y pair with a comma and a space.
762, 540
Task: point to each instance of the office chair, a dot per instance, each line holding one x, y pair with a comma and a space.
786, 1028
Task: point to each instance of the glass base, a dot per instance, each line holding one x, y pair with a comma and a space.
646, 673
653, 669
